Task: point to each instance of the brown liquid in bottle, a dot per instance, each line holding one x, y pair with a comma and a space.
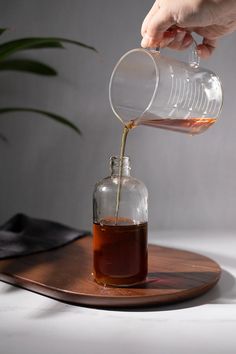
120, 252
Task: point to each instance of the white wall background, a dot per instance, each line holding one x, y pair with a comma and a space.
48, 171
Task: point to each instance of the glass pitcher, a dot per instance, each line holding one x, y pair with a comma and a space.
151, 89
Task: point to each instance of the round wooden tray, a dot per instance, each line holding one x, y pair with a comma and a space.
65, 274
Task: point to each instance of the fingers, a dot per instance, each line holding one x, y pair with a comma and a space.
155, 24
181, 41
206, 48
167, 38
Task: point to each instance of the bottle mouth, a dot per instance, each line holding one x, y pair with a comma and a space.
117, 161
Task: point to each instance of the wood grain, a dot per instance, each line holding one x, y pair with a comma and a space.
66, 274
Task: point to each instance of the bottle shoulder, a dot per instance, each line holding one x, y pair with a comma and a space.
111, 183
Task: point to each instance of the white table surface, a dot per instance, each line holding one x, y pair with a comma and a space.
34, 324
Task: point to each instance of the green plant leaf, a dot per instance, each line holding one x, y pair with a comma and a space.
53, 116
2, 30
48, 45
27, 65
12, 47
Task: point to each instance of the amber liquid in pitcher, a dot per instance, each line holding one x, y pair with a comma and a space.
120, 252
190, 126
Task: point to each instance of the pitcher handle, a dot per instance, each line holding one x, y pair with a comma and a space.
193, 57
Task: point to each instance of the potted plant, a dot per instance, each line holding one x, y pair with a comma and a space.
10, 62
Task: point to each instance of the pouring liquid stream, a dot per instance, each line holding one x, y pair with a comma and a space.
126, 130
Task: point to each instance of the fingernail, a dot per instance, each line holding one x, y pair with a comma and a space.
180, 36
145, 41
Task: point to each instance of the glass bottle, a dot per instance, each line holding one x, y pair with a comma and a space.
120, 236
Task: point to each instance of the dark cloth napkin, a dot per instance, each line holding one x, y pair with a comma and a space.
23, 235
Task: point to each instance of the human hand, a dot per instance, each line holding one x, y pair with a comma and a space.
170, 23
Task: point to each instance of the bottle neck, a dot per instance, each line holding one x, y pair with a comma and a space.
116, 163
